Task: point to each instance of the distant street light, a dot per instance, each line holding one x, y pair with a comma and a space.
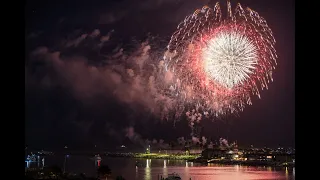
64, 164
65, 160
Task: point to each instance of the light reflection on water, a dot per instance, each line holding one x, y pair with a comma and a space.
151, 170
294, 171
148, 174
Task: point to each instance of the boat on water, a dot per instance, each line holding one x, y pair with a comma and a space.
32, 158
96, 158
34, 161
173, 176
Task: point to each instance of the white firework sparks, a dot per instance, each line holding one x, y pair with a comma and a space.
218, 63
229, 58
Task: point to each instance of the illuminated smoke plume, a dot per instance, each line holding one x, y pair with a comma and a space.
204, 140
194, 117
181, 141
134, 137
154, 141
195, 140
223, 142
147, 142
163, 145
137, 139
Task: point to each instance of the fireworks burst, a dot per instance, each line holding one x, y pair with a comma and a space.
229, 58
217, 63
213, 65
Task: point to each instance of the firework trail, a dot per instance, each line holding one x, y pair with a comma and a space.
217, 63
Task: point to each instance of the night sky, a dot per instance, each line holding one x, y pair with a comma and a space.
65, 106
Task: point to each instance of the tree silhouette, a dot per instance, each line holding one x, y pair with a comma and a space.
120, 178
52, 170
103, 171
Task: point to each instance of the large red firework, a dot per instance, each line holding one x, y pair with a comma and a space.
219, 62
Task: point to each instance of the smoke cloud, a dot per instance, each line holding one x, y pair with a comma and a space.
135, 85
195, 140
204, 140
135, 79
223, 142
181, 141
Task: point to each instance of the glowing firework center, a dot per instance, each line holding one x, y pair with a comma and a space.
218, 63
229, 58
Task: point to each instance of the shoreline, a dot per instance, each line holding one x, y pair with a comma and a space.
196, 159
155, 156
246, 163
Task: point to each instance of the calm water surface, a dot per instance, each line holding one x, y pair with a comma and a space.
151, 169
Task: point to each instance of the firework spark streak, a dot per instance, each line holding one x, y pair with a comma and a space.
218, 63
